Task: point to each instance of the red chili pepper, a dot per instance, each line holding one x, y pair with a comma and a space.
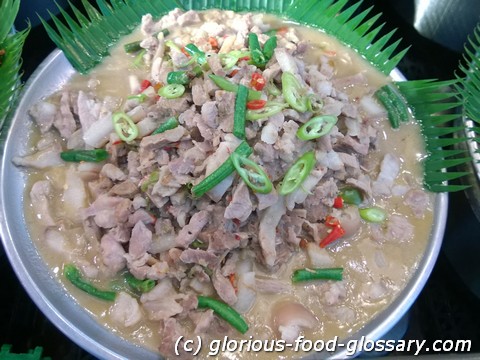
246, 58
118, 142
331, 221
338, 202
144, 85
336, 233
303, 244
232, 279
283, 30
185, 52
213, 43
256, 104
233, 73
258, 81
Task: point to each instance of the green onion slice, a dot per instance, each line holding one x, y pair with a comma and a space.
227, 85
124, 126
253, 175
297, 173
230, 59
172, 91
293, 92
317, 127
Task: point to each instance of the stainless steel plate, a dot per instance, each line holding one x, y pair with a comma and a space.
60, 307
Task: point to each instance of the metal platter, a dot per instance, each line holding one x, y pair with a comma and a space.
60, 307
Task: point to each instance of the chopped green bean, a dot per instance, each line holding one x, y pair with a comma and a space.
169, 124
73, 275
269, 47
223, 310
196, 53
223, 171
240, 112
178, 77
317, 274
258, 58
141, 286
95, 155
227, 85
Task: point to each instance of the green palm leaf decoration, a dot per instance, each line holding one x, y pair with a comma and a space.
85, 40
434, 104
11, 46
469, 88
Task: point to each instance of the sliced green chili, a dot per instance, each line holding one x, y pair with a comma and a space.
73, 275
152, 179
172, 45
373, 214
196, 53
230, 59
314, 104
297, 173
239, 113
171, 91
178, 77
223, 171
224, 311
141, 286
351, 196
253, 175
227, 85
170, 124
317, 274
124, 126
317, 127
293, 92
272, 89
270, 109
95, 155
258, 57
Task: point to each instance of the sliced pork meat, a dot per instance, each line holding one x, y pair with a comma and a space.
389, 170
161, 302
126, 310
39, 195
241, 206
190, 232
418, 201
267, 233
43, 113
291, 318
113, 253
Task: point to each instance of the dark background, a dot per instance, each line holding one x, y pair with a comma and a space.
447, 308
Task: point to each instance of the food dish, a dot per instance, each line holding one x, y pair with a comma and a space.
264, 253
